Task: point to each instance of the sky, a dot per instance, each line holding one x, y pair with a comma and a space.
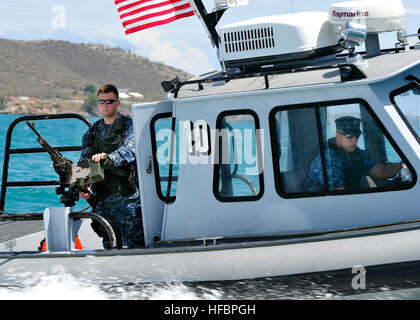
183, 44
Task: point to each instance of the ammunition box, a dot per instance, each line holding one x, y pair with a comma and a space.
97, 173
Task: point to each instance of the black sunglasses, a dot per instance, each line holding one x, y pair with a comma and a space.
107, 101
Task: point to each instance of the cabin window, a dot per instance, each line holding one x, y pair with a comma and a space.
407, 102
238, 174
161, 133
296, 145
333, 148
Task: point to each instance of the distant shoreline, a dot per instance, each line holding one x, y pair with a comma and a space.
31, 106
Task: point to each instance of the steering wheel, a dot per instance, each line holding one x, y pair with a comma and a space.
382, 183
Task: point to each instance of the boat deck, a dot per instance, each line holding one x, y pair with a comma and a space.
14, 229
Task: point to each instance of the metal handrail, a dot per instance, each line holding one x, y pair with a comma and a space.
8, 151
175, 85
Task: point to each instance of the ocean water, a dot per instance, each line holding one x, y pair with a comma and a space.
29, 286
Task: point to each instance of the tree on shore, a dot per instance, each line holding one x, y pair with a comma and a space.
90, 104
90, 88
3, 102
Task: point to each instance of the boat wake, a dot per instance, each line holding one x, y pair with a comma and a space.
61, 285
52, 287
64, 286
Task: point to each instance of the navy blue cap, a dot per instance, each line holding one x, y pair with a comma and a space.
348, 126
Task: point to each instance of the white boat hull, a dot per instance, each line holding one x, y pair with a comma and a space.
224, 261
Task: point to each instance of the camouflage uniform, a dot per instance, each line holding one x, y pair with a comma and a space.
335, 170
122, 212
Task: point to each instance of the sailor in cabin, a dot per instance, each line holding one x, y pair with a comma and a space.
347, 164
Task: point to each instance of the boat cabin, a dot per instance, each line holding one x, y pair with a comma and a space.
241, 153
228, 154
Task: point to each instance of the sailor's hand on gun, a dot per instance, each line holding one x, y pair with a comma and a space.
106, 161
99, 156
104, 158
85, 195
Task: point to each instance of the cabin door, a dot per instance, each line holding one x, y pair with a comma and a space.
144, 118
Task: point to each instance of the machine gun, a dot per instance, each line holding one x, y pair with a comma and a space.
73, 177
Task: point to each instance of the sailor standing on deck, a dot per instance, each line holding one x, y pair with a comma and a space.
110, 141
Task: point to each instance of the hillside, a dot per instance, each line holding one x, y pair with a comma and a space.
58, 71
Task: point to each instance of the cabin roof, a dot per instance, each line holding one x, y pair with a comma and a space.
379, 67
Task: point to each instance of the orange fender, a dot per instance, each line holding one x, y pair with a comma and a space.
76, 241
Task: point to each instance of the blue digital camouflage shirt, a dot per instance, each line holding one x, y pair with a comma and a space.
122, 212
335, 173
124, 155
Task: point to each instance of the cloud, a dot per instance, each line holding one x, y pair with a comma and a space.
175, 53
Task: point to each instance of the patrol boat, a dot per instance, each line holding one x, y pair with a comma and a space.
223, 162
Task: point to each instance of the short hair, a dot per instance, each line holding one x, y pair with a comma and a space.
107, 88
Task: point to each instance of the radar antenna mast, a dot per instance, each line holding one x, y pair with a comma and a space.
209, 20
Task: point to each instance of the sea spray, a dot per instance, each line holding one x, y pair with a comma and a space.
61, 286
64, 286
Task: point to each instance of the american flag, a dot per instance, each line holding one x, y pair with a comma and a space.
138, 15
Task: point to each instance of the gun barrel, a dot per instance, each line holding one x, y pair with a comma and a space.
44, 144
30, 125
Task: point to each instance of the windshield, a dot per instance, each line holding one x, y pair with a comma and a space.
407, 102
